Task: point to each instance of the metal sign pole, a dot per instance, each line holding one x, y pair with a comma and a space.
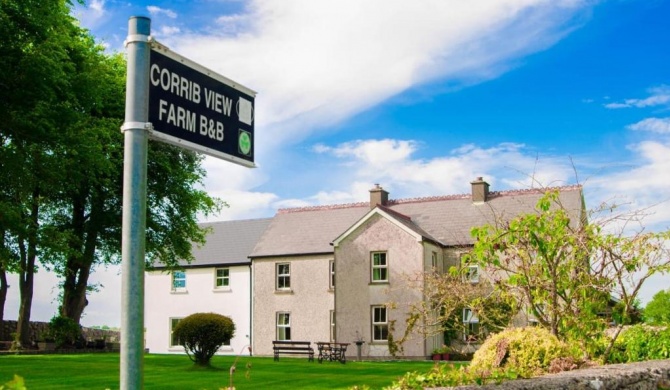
134, 203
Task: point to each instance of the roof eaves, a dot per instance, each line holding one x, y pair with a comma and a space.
261, 256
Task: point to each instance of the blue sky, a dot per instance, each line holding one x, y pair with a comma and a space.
422, 97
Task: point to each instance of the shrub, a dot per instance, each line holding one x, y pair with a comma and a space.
202, 334
641, 342
64, 331
447, 375
15, 384
526, 351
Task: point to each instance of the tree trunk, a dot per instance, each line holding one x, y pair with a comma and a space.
74, 292
83, 246
3, 283
27, 273
3, 298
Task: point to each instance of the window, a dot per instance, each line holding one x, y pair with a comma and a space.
332, 325
178, 281
283, 326
174, 341
434, 261
470, 325
222, 278
379, 267
380, 325
332, 274
471, 274
284, 276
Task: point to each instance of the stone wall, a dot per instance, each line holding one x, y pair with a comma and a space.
649, 375
39, 328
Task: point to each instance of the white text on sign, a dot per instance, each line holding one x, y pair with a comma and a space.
185, 119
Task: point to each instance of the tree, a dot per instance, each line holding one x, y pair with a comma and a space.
542, 258
61, 158
567, 271
446, 295
34, 105
202, 334
657, 311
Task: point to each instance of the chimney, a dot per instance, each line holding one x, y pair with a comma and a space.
378, 196
480, 190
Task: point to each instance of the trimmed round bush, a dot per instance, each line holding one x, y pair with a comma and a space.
202, 334
527, 351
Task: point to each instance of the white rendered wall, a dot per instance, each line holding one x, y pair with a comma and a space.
309, 301
201, 296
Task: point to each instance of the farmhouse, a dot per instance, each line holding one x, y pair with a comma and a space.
329, 273
219, 281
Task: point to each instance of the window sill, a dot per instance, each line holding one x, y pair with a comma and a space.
222, 290
284, 292
179, 291
380, 342
176, 348
331, 290
378, 283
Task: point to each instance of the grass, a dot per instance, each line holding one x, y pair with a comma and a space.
101, 371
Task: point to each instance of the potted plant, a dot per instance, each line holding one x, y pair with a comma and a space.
445, 351
436, 354
441, 353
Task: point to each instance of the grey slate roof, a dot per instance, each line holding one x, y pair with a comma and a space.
307, 230
446, 220
449, 219
229, 242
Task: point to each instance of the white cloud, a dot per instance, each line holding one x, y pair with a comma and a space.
155, 11
232, 24
318, 62
91, 15
166, 31
659, 96
392, 164
244, 205
654, 125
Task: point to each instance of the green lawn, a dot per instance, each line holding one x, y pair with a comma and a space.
101, 371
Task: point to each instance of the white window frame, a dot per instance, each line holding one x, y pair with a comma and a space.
331, 275
225, 279
283, 323
284, 277
470, 325
471, 274
175, 279
332, 326
382, 268
173, 321
379, 323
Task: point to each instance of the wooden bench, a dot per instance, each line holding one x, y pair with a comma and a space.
293, 347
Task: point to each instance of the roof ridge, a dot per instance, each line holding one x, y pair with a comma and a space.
234, 221
392, 202
289, 210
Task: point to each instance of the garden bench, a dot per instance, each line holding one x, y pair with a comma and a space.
293, 347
